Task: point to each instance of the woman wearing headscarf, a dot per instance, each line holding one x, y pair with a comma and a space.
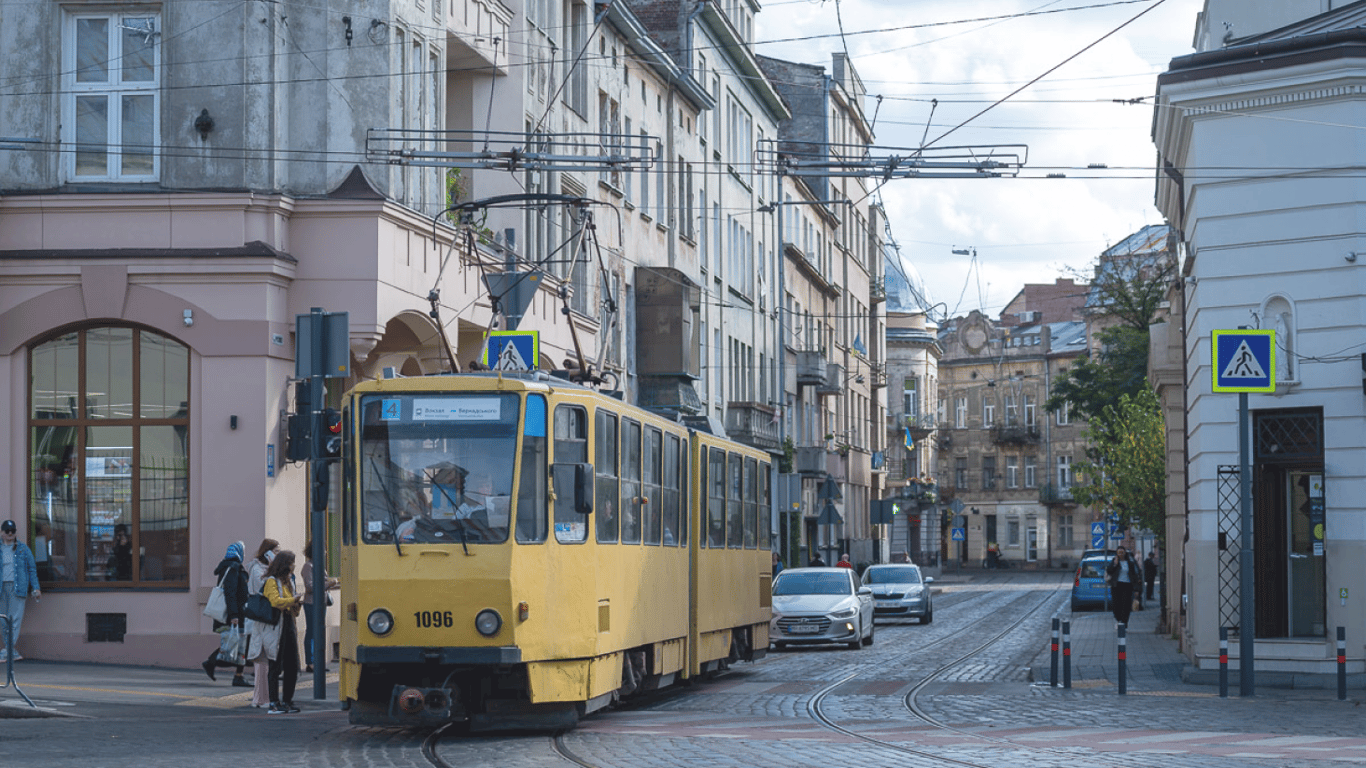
233, 577
256, 578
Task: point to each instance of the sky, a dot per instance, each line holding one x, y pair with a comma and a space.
1028, 229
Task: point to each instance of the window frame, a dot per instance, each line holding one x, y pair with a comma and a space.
115, 90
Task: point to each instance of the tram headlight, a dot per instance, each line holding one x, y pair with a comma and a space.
380, 621
488, 622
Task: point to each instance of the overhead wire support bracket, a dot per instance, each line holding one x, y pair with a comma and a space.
787, 158
509, 150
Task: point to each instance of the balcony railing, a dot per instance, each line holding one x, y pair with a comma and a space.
810, 367
920, 424
834, 380
753, 424
811, 459
1055, 494
1015, 433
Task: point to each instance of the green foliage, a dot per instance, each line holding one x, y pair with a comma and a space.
1125, 471
1094, 383
789, 456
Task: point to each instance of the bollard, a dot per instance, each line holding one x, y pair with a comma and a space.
1123, 677
1223, 662
1342, 663
1053, 656
1067, 653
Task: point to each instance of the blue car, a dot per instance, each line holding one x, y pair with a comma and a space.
1089, 588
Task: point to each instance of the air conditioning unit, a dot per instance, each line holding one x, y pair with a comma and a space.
1029, 317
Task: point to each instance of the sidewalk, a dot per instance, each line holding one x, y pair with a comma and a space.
79, 689
1153, 661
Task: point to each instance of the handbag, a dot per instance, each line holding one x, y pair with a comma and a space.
217, 607
232, 647
260, 609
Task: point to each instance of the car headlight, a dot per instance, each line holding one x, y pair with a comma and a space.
915, 591
488, 622
847, 613
380, 621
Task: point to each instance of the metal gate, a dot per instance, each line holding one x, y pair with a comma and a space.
1230, 545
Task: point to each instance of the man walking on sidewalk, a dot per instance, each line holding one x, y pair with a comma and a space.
1149, 574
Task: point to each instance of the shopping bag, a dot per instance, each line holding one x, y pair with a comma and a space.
232, 647
217, 607
260, 609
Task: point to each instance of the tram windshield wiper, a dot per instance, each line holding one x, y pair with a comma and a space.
459, 521
389, 501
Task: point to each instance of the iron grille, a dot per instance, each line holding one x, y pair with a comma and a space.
1230, 541
1289, 435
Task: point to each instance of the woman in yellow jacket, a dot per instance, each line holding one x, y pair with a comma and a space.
283, 648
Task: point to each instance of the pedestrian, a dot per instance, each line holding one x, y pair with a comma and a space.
280, 642
120, 565
233, 577
18, 578
1149, 574
777, 564
1123, 576
329, 583
816, 562
844, 561
256, 578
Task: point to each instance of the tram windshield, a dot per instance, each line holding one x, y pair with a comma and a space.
437, 468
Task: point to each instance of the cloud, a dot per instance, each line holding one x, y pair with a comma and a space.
1027, 229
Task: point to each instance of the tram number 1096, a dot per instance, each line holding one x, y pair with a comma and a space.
430, 619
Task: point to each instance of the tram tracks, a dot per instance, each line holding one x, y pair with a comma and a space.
818, 707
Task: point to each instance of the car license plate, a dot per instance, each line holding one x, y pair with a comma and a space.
803, 629
887, 604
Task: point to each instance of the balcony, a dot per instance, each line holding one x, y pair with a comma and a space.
753, 424
1055, 494
920, 424
811, 460
877, 291
834, 380
1015, 434
810, 367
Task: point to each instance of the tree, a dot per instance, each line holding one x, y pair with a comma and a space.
1127, 290
1125, 470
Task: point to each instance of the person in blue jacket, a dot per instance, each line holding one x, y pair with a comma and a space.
18, 577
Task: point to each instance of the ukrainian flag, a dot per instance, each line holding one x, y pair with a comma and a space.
910, 444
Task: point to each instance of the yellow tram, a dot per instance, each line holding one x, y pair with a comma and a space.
519, 551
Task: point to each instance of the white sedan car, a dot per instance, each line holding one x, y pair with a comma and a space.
821, 605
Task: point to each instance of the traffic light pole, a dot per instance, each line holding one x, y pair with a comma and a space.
317, 472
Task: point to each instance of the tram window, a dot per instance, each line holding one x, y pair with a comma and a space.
684, 503
751, 503
671, 485
630, 482
605, 508
765, 504
654, 502
735, 535
716, 498
532, 491
571, 446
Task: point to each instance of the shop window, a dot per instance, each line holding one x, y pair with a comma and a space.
108, 435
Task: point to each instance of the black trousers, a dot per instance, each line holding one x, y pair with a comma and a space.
1122, 595
284, 668
1148, 593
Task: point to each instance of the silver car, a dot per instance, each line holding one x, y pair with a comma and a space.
821, 605
899, 591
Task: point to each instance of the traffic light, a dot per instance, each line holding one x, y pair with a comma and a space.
328, 435
299, 439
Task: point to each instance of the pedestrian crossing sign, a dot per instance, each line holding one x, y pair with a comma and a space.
512, 350
1244, 361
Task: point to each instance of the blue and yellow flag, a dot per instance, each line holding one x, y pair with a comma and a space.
910, 444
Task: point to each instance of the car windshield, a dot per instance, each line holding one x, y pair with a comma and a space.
1094, 569
812, 584
895, 574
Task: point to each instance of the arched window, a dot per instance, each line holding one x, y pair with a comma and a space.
108, 433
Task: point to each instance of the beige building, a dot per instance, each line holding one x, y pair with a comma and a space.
1010, 462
